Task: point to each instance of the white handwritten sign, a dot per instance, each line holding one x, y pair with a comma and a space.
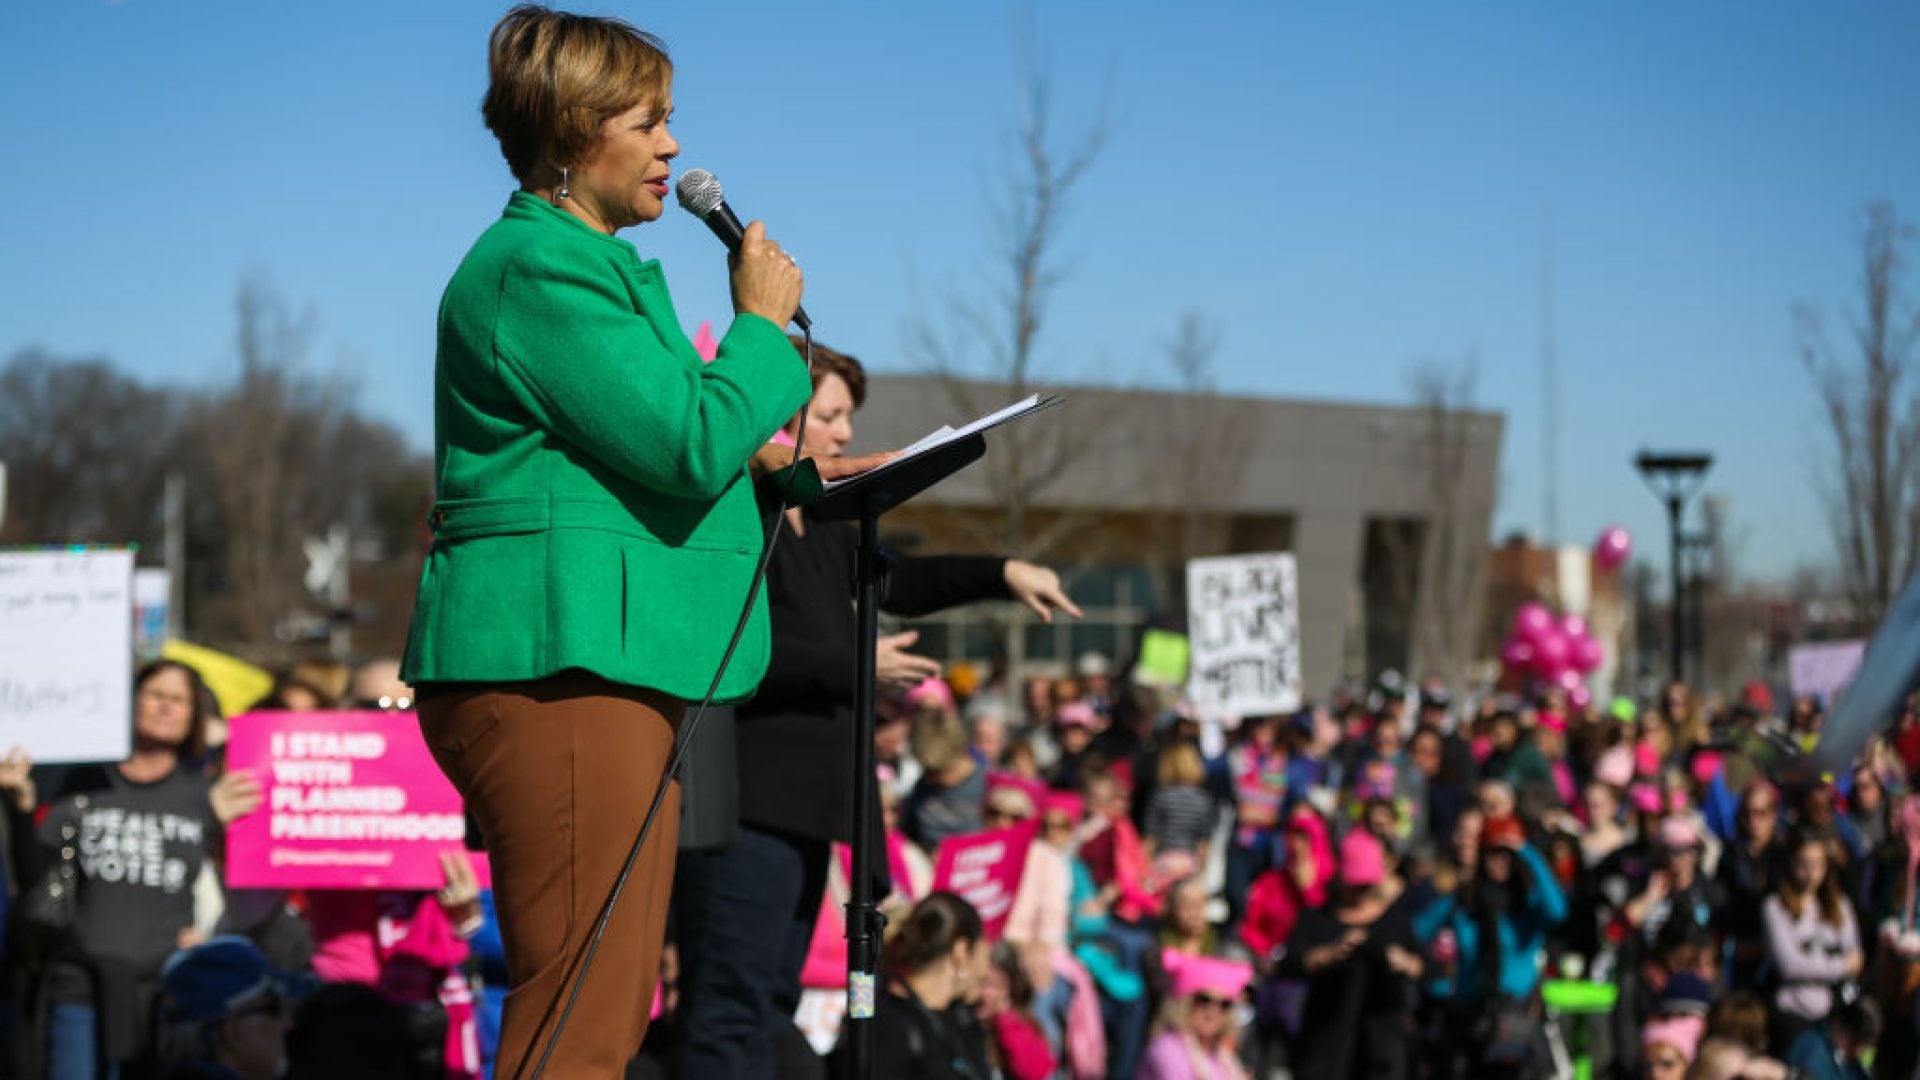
66, 654
1823, 669
1243, 622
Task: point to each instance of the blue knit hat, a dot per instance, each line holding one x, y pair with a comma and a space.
211, 980
1686, 994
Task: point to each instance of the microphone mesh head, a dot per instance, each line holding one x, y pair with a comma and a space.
699, 192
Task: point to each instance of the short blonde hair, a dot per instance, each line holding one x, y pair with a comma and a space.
555, 77
1181, 766
938, 740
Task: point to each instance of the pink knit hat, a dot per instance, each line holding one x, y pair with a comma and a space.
931, 691
1032, 792
1363, 861
1678, 832
1680, 1032
1646, 760
1645, 798
1063, 802
1199, 974
1615, 767
1075, 714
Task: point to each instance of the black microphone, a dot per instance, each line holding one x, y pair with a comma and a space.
699, 193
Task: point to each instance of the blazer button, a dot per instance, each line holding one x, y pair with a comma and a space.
437, 518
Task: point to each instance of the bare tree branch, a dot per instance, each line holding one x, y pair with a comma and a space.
1872, 417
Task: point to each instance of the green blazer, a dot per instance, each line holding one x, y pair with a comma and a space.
593, 505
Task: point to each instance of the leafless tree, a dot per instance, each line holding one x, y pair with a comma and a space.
1201, 450
988, 350
262, 436
85, 448
1445, 573
1872, 484
269, 459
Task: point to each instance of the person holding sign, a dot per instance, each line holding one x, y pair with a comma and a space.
745, 915
595, 530
132, 838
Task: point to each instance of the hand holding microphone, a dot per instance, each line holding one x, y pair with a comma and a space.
766, 281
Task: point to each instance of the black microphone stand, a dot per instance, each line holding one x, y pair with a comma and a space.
866, 498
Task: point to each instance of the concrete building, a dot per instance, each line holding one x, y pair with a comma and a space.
1387, 509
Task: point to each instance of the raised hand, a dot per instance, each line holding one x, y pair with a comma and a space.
16, 780
235, 795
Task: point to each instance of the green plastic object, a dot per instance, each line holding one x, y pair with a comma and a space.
1579, 998
1163, 659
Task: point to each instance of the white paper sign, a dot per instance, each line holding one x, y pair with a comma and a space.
1243, 621
66, 654
1823, 669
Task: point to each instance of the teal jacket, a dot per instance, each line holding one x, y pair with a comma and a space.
593, 509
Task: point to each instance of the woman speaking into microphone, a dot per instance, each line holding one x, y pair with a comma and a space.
595, 529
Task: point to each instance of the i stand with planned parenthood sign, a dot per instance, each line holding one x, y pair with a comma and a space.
864, 498
1243, 628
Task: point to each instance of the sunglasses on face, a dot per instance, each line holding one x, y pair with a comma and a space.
1210, 1001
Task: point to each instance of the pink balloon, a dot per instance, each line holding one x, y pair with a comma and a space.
1552, 652
1517, 654
1587, 656
1580, 698
1613, 549
1570, 680
1532, 620
1574, 627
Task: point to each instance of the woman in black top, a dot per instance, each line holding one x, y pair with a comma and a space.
136, 835
1361, 961
744, 916
923, 1026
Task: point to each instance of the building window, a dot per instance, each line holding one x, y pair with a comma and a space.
1117, 602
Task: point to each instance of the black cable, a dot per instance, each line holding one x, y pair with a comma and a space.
685, 736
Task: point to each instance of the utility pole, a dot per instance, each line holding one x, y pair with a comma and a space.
173, 551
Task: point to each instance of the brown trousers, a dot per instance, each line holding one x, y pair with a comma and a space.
559, 774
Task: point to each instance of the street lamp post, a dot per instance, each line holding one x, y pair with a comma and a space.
1674, 477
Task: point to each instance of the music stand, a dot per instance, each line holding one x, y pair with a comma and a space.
865, 498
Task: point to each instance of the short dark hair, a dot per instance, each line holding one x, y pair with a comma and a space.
830, 361
195, 744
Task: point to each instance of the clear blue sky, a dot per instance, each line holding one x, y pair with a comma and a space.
1344, 189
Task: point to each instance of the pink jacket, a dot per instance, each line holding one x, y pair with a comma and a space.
1040, 903
1276, 899
1024, 1054
1170, 1056
1086, 1033
402, 944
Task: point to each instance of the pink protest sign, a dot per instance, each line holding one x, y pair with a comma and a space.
984, 868
352, 800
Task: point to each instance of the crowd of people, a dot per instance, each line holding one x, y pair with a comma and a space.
1398, 884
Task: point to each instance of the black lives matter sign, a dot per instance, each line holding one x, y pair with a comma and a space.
1243, 623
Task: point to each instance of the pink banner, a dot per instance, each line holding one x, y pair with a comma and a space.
352, 800
984, 868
